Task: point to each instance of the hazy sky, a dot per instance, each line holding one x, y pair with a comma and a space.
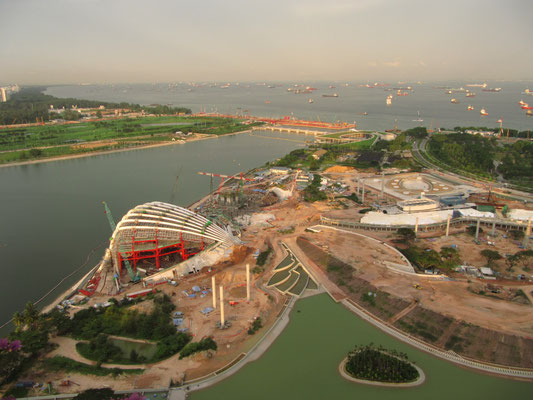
74, 41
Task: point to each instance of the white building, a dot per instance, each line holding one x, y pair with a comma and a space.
417, 205
280, 170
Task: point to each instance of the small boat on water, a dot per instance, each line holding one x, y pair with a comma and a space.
311, 101
498, 89
419, 119
363, 113
267, 101
470, 94
454, 101
389, 100
483, 112
522, 103
470, 108
330, 95
529, 113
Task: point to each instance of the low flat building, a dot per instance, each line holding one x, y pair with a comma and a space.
280, 170
424, 218
418, 205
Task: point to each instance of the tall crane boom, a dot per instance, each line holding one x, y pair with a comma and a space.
134, 277
109, 217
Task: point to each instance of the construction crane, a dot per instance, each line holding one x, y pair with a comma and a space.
134, 277
175, 188
225, 177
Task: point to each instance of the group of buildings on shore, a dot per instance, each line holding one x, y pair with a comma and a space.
6, 91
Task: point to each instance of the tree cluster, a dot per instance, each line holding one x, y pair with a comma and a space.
446, 258
379, 364
312, 192
194, 347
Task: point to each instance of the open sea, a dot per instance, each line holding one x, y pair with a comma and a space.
273, 100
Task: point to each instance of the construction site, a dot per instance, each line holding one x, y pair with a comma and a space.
236, 259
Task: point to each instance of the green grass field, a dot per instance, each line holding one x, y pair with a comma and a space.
62, 139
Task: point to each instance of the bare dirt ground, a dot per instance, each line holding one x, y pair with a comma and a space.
451, 298
397, 300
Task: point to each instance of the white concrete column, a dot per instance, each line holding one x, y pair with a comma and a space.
247, 282
363, 194
416, 225
382, 184
222, 321
358, 187
528, 233
448, 225
477, 228
214, 290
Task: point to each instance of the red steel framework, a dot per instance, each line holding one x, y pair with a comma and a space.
157, 252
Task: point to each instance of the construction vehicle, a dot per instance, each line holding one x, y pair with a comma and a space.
133, 276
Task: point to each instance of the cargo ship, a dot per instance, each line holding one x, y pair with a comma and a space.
482, 85
492, 89
527, 107
483, 112
330, 95
470, 94
389, 100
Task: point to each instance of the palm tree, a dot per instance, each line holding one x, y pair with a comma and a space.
18, 321
31, 314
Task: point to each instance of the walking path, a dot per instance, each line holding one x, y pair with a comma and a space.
67, 348
403, 312
252, 355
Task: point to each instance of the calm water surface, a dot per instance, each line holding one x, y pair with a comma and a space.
302, 364
434, 104
52, 213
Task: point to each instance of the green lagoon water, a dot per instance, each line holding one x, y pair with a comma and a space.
303, 364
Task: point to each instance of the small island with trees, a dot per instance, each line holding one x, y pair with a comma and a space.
379, 366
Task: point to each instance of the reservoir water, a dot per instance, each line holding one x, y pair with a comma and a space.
434, 104
52, 213
302, 364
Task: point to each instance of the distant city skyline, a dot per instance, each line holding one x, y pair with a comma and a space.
114, 41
